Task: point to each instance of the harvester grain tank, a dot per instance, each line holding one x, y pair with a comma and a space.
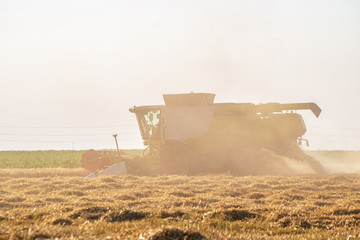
191, 134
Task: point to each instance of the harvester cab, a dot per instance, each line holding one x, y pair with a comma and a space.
191, 134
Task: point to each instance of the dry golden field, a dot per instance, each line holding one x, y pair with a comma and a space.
62, 204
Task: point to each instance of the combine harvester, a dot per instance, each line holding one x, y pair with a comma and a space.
192, 135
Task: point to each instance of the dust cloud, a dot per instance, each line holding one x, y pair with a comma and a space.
338, 162
267, 162
332, 162
254, 161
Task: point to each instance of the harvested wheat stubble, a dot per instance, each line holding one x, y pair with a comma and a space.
176, 214
62, 221
177, 234
233, 215
203, 207
124, 215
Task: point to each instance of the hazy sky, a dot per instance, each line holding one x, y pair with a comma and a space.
69, 70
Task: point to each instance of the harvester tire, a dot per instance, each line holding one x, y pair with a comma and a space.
173, 160
178, 158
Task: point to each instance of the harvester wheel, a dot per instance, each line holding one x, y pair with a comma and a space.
178, 158
173, 160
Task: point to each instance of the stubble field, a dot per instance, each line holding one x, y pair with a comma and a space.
62, 204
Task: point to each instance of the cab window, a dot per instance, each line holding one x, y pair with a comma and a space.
150, 124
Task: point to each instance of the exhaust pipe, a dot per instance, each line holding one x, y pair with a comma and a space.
117, 147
